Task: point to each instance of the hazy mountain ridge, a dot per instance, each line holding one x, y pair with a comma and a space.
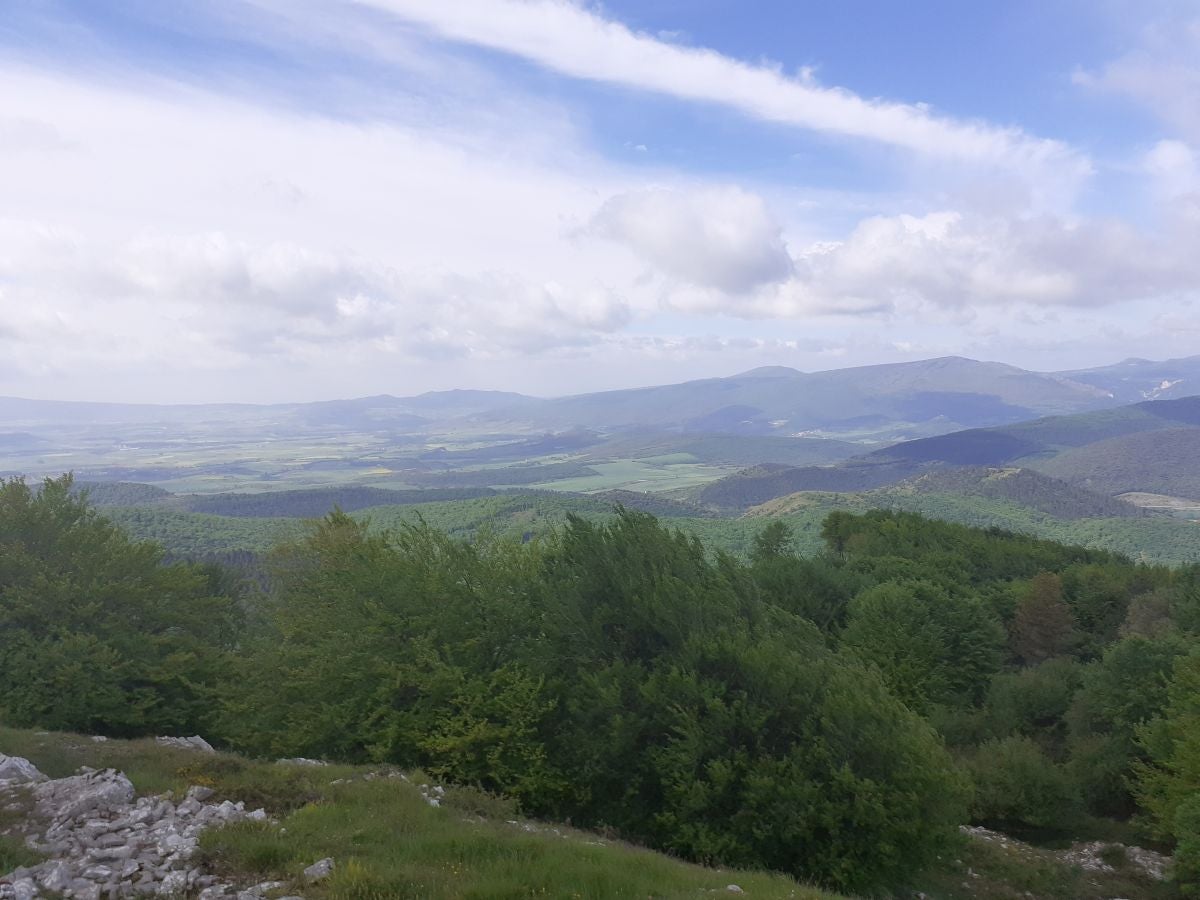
1142, 379
1152, 446
766, 400
882, 402
879, 424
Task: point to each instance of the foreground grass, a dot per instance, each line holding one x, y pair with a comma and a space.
14, 853
387, 841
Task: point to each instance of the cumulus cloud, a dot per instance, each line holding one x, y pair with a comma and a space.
565, 37
722, 237
721, 252
958, 260
237, 299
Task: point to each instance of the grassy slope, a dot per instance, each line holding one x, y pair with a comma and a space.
389, 843
386, 840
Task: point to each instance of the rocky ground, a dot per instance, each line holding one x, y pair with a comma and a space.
99, 840
1092, 856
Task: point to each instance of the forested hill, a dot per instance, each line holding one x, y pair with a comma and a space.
1148, 447
1026, 487
913, 677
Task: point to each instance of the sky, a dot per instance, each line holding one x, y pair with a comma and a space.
284, 200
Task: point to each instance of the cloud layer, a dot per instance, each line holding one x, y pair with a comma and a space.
467, 233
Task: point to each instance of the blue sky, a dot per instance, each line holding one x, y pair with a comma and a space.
300, 199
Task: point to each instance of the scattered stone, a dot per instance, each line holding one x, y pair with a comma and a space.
734, 889
98, 739
319, 870
432, 796
195, 742
101, 841
1087, 856
301, 761
1090, 858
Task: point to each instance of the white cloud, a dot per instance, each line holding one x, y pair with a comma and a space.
228, 232
1174, 167
959, 260
251, 249
234, 300
569, 39
1161, 73
723, 238
722, 252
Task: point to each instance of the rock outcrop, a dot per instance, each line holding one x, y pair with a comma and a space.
195, 742
15, 770
100, 840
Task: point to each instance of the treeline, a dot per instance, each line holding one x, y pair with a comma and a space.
312, 503
834, 716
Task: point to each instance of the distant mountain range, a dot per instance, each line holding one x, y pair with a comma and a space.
1151, 447
884, 403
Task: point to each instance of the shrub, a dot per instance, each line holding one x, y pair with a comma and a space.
1016, 783
1033, 701
929, 645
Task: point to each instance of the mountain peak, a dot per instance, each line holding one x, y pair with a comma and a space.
770, 372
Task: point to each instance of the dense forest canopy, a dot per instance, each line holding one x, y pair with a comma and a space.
835, 716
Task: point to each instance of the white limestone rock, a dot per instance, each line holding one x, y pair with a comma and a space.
322, 868
195, 742
18, 770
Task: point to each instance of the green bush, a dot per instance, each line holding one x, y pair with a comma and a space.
1016, 783
1168, 784
1120, 693
1186, 829
930, 646
1033, 701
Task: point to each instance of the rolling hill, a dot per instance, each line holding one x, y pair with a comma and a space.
1151, 447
